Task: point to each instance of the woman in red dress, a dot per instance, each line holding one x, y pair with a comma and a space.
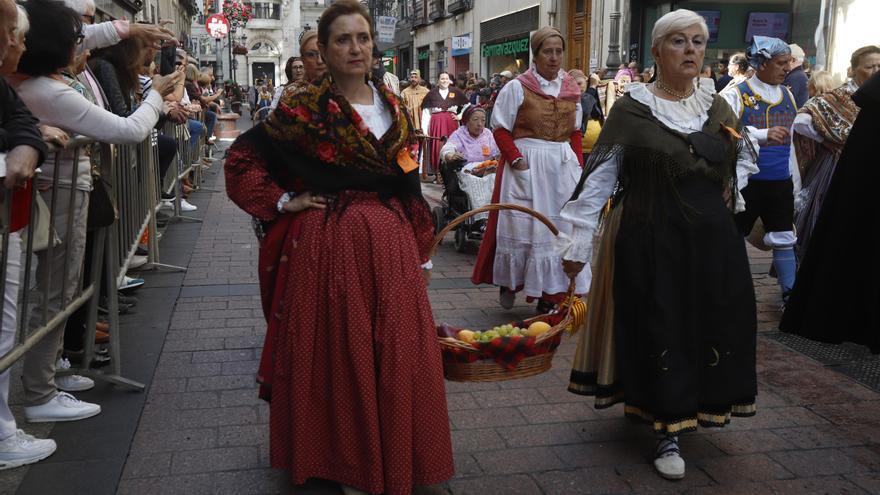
441, 109
351, 362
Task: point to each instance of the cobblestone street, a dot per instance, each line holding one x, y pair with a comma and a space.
199, 428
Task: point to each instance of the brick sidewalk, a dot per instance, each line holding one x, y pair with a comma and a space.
204, 431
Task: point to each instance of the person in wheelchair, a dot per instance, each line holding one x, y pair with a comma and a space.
472, 144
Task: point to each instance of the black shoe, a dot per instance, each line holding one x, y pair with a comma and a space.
168, 197
545, 307
141, 251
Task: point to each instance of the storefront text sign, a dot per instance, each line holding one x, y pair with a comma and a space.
461, 45
217, 26
506, 48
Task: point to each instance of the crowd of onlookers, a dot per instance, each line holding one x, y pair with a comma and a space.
66, 75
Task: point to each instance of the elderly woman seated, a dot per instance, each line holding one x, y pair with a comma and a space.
472, 143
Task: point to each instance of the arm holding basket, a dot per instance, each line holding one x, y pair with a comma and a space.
582, 211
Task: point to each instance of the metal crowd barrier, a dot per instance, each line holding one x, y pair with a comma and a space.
131, 174
187, 163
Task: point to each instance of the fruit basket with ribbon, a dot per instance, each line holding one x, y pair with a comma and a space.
515, 349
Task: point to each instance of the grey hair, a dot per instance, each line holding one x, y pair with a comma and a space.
81, 6
23, 25
676, 22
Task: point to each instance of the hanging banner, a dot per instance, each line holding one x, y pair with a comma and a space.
385, 26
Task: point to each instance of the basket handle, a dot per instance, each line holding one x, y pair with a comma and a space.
490, 207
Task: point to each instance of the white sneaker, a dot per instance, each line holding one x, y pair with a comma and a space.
62, 407
71, 383
187, 206
668, 461
137, 261
21, 448
129, 283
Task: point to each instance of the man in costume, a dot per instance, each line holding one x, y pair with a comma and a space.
412, 98
767, 109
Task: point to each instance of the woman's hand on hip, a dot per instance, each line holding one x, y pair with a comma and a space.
305, 201
572, 268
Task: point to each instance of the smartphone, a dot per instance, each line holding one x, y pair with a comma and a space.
167, 56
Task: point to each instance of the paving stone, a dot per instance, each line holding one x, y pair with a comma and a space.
174, 440
588, 481
512, 485
557, 413
158, 419
819, 436
260, 482
200, 484
466, 466
240, 397
868, 456
142, 465
223, 356
538, 435
184, 400
818, 462
753, 488
742, 469
467, 441
240, 368
491, 399
459, 401
521, 460
869, 482
825, 485
187, 370
195, 344
748, 442
643, 478
603, 454
486, 418
209, 460
243, 435
225, 382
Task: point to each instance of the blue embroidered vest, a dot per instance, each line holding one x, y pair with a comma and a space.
760, 114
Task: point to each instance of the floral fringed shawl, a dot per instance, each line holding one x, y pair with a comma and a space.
833, 115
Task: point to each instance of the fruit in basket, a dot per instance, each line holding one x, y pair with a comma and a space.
466, 336
538, 328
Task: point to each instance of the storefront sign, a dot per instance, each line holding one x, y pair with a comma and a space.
425, 55
385, 25
461, 45
217, 26
713, 22
506, 48
773, 24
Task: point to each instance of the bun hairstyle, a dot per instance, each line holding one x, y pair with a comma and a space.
675, 22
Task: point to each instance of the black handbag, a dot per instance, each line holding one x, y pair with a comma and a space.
102, 210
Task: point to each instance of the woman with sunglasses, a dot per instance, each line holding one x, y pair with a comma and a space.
59, 101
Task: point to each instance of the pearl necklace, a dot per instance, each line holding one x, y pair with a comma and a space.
666, 89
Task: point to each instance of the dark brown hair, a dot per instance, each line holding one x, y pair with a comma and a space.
339, 9
288, 68
857, 55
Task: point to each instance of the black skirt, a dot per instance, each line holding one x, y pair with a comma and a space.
685, 317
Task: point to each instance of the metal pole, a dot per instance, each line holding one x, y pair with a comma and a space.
613, 61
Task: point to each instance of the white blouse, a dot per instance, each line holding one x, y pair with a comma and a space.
687, 116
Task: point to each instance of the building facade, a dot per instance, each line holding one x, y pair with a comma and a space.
828, 30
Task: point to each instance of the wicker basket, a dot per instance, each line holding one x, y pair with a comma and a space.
487, 370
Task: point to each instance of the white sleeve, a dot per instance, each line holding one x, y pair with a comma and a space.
185, 100
77, 115
507, 105
803, 125
583, 212
746, 166
732, 97
99, 35
426, 120
578, 116
278, 92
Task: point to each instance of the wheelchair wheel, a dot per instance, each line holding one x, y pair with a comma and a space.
461, 242
439, 217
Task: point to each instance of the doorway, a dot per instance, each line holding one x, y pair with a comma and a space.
264, 72
578, 43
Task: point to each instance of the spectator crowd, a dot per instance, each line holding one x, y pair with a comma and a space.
118, 83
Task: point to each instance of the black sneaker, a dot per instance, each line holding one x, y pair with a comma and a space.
129, 300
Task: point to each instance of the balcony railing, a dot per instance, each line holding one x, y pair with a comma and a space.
459, 6
436, 10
